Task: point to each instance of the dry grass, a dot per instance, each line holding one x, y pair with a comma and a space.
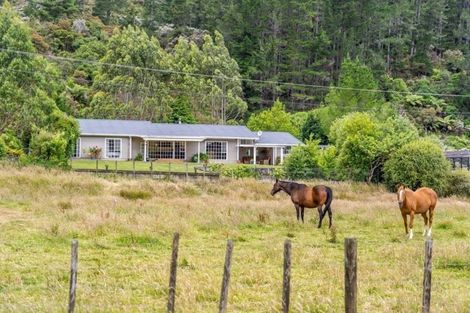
125, 246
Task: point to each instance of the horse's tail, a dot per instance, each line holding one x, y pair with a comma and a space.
329, 198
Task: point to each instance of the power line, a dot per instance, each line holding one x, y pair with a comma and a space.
165, 71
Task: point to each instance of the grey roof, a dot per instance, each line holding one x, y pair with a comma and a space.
99, 127
277, 138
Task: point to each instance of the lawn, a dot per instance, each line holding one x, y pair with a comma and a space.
162, 166
125, 228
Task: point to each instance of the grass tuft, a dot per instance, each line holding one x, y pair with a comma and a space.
135, 194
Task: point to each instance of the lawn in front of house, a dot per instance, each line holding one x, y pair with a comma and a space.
158, 166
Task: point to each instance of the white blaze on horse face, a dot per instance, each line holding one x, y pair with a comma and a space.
401, 195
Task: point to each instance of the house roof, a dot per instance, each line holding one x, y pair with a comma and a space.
145, 129
269, 138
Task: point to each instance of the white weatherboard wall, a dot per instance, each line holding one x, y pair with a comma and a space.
88, 141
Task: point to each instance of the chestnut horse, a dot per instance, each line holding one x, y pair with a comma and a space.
421, 201
307, 197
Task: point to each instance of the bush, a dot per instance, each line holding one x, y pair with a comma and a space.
458, 183
139, 157
49, 148
239, 171
302, 162
3, 149
203, 157
12, 144
416, 164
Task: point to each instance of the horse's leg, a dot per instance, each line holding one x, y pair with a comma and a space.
320, 215
425, 217
412, 217
405, 222
297, 210
431, 216
302, 208
330, 216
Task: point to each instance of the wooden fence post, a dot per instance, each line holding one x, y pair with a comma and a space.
427, 276
350, 275
73, 276
133, 167
173, 266
286, 277
115, 167
96, 166
169, 169
226, 279
187, 169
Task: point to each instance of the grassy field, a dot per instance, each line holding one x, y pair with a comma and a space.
141, 166
125, 246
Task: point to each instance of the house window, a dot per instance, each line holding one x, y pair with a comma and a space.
287, 150
217, 150
180, 150
76, 149
165, 150
113, 148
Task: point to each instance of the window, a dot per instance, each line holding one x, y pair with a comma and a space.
76, 149
180, 150
113, 148
217, 150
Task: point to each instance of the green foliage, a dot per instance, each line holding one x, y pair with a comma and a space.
3, 149
51, 9
417, 164
312, 129
457, 142
138, 157
12, 144
203, 157
181, 111
354, 78
239, 171
274, 119
302, 161
458, 183
364, 143
49, 148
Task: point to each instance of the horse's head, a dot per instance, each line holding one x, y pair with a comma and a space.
276, 187
401, 195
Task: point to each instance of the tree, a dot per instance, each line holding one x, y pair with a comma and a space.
181, 111
274, 119
417, 164
30, 89
313, 130
352, 95
139, 87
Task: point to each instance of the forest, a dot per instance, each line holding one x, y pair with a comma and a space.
293, 65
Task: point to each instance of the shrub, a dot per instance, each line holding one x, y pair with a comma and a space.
138, 157
3, 149
302, 162
416, 164
49, 148
13, 146
203, 157
458, 183
239, 171
95, 152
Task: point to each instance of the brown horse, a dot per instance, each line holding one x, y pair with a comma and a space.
307, 197
420, 201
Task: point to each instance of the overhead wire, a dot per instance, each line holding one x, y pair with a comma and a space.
238, 78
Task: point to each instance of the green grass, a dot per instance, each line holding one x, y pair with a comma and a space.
161, 166
125, 246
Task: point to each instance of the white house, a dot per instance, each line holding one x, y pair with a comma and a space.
125, 139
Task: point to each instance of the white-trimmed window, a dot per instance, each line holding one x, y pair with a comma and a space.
113, 148
217, 150
165, 150
76, 148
